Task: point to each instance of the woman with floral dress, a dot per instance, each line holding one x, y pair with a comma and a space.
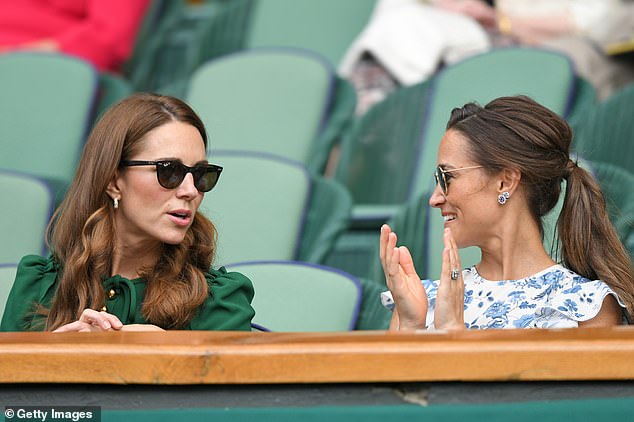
500, 170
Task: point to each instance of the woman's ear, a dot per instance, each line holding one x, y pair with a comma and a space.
509, 180
112, 189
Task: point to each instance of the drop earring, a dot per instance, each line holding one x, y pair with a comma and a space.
115, 202
503, 197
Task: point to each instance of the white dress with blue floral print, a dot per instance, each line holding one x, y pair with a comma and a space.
553, 298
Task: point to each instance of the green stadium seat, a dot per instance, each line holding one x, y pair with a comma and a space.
327, 27
270, 208
26, 210
268, 100
7, 277
297, 296
605, 132
46, 110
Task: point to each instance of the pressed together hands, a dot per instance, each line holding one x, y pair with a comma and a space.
410, 298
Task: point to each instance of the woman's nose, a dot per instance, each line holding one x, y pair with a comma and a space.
437, 198
187, 187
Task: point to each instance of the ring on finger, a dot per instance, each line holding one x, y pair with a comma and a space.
455, 274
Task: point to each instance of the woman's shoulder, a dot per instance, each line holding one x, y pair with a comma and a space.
34, 270
35, 283
577, 297
221, 278
228, 306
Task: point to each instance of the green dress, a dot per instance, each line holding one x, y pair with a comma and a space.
228, 306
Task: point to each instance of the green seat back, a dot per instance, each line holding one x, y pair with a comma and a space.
326, 26
372, 314
296, 296
271, 101
7, 277
482, 78
606, 132
26, 209
191, 35
328, 217
112, 89
376, 165
585, 99
258, 206
616, 184
45, 111
376, 162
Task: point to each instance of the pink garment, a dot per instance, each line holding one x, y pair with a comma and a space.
99, 31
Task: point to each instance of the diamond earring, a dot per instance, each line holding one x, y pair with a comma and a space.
115, 202
503, 197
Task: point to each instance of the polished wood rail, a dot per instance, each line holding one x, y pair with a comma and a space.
205, 357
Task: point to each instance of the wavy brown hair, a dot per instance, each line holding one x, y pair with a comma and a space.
517, 132
81, 232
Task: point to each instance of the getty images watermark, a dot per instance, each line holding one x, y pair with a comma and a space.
52, 413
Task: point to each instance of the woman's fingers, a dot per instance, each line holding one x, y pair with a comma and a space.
450, 258
100, 319
406, 261
456, 254
449, 311
95, 318
385, 231
401, 278
115, 322
71, 327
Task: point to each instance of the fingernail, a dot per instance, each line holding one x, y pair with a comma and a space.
107, 325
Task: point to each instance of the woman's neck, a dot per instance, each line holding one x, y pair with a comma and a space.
129, 259
515, 252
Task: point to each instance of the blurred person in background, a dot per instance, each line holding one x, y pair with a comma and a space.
407, 41
101, 32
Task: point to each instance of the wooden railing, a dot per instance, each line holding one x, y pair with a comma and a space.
203, 357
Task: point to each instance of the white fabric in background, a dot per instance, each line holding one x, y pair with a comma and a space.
410, 39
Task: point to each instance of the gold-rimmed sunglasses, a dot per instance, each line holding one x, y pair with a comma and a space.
441, 178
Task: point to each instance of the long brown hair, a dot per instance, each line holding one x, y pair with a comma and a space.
517, 132
81, 232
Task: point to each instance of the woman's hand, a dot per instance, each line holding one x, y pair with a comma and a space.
410, 299
449, 310
91, 320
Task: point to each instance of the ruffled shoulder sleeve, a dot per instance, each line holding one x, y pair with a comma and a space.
228, 306
576, 299
35, 284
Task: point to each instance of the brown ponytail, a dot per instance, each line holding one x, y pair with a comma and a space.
590, 245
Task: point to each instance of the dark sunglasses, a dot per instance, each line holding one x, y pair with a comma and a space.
171, 173
441, 178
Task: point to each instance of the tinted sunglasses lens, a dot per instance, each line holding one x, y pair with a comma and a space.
440, 179
170, 174
205, 178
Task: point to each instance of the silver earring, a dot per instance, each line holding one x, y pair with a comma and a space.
503, 197
115, 202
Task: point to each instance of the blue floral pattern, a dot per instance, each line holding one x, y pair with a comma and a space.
553, 298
